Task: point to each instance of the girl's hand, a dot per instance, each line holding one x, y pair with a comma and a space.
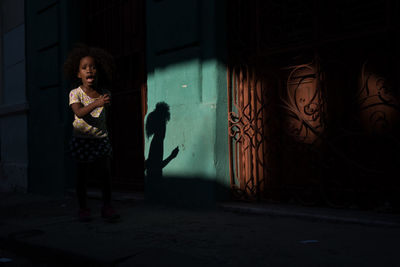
103, 100
107, 98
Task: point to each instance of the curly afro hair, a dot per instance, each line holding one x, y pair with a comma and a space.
104, 62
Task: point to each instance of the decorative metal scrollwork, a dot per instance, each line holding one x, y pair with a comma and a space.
296, 133
246, 115
304, 103
378, 106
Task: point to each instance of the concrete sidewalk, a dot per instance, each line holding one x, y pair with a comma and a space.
233, 234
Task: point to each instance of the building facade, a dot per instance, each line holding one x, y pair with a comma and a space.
178, 56
256, 100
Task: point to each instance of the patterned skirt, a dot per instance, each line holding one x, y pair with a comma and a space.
89, 149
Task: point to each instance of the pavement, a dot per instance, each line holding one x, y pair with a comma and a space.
231, 234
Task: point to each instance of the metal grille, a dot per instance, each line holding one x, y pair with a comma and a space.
304, 103
271, 117
246, 119
308, 119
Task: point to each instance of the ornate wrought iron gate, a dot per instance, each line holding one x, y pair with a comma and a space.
313, 103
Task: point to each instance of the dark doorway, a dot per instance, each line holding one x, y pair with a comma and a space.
119, 27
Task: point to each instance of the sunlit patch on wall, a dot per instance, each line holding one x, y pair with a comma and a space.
379, 109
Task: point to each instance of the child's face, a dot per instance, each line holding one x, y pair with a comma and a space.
87, 71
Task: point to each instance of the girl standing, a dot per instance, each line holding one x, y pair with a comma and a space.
91, 70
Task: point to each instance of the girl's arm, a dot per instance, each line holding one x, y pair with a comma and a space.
81, 110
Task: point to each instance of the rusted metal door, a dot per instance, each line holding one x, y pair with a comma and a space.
119, 27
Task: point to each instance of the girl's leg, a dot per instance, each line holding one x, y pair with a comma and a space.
82, 172
107, 212
104, 167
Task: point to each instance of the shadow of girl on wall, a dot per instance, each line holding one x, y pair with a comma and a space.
156, 124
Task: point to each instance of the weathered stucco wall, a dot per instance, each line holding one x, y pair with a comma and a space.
51, 27
13, 105
186, 70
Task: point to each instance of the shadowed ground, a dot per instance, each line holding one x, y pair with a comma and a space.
150, 235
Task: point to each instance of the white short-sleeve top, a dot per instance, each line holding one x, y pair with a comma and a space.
93, 125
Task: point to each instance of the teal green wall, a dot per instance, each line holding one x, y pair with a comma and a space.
186, 69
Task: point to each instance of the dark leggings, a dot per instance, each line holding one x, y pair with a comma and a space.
99, 168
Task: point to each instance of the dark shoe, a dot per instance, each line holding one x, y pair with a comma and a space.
84, 215
108, 212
